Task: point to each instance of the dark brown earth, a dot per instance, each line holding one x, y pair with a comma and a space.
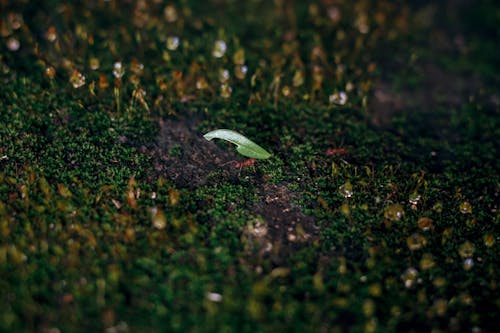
184, 157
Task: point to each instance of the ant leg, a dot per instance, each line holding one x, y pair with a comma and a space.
233, 161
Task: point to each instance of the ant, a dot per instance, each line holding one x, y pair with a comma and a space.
335, 151
244, 164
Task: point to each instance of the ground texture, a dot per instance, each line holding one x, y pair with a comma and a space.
377, 212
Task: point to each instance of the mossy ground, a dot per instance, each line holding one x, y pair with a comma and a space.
374, 214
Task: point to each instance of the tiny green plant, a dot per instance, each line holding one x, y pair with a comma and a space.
245, 146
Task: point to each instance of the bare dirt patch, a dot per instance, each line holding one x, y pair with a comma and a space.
185, 158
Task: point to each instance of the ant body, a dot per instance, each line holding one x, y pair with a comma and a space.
244, 164
335, 151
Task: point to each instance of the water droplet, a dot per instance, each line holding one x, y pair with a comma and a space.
409, 277
339, 98
298, 79
51, 34
349, 87
173, 43
346, 189
425, 223
375, 290
440, 306
136, 67
225, 90
416, 242
240, 72
438, 207
334, 14
67, 64
414, 199
394, 212
77, 79
489, 240
223, 75
50, 72
427, 261
94, 64
220, 48
170, 13
468, 264
466, 250
118, 70
285, 91
201, 83
214, 297
13, 44
158, 218
465, 208
257, 229
173, 196
239, 57
362, 23
368, 307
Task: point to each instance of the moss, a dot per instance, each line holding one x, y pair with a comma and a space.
374, 214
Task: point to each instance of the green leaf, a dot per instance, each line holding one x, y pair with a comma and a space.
245, 146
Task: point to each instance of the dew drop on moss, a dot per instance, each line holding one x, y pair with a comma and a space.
239, 57
170, 13
427, 261
118, 70
136, 67
466, 250
15, 21
240, 71
220, 48
339, 98
225, 90
223, 75
214, 297
425, 223
285, 91
416, 242
51, 34
394, 212
50, 72
465, 208
13, 44
440, 306
468, 264
94, 63
489, 240
368, 307
346, 189
409, 277
172, 43
77, 79
173, 196
201, 83
158, 218
414, 199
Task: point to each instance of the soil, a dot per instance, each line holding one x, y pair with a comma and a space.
184, 157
